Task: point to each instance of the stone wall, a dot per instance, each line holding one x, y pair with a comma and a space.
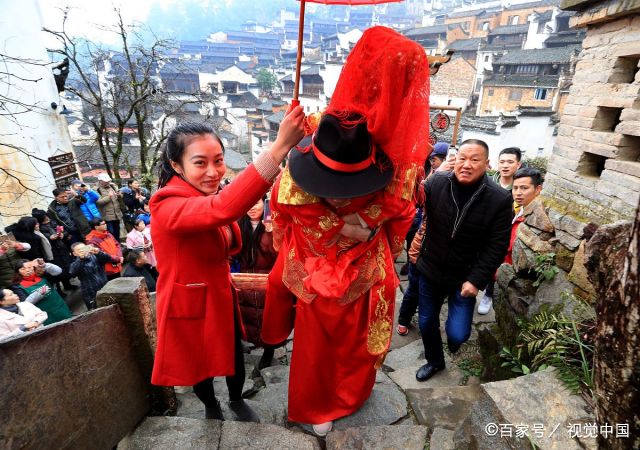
454, 80
594, 172
74, 384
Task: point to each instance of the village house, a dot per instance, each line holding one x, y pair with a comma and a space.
526, 78
432, 38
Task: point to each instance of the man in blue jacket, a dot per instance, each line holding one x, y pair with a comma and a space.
468, 220
89, 208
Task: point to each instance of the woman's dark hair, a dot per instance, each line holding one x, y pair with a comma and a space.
250, 241
17, 278
39, 214
133, 256
93, 223
177, 141
27, 224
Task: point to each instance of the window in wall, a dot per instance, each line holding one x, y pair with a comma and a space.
540, 94
515, 95
490, 93
486, 58
607, 119
625, 70
527, 69
513, 20
591, 165
540, 152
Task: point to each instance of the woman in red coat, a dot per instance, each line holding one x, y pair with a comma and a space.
194, 233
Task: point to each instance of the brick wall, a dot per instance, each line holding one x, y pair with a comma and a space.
456, 34
500, 102
595, 170
454, 79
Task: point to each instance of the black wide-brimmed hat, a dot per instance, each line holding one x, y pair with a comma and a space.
339, 161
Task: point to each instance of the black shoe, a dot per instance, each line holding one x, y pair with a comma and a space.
427, 371
243, 412
214, 413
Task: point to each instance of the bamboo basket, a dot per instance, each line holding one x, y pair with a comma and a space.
250, 281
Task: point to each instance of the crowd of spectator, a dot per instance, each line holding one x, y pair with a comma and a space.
76, 243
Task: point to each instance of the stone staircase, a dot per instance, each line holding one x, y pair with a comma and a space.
452, 410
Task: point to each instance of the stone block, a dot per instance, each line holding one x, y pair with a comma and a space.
627, 167
630, 114
629, 196
564, 163
625, 181
132, 295
477, 429
441, 439
579, 274
552, 293
564, 258
407, 360
396, 437
567, 240
443, 407
173, 433
540, 398
567, 223
243, 435
528, 237
73, 384
386, 405
629, 127
275, 374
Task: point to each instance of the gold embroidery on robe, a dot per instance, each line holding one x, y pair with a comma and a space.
404, 183
328, 222
380, 327
373, 211
290, 193
292, 277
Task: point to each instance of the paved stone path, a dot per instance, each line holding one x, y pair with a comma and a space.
442, 413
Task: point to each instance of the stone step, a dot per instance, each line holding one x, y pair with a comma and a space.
443, 407
160, 433
538, 403
405, 361
390, 437
441, 439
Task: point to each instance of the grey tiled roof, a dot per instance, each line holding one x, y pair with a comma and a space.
522, 80
535, 4
276, 117
566, 37
510, 29
544, 16
234, 160
421, 31
539, 56
464, 45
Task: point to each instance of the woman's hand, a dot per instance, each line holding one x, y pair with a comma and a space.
290, 133
351, 219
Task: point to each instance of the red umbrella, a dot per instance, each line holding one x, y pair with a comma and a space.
295, 101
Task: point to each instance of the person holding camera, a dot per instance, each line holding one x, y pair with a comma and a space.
89, 208
110, 204
88, 266
65, 209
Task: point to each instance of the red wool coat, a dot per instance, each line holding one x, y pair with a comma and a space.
195, 300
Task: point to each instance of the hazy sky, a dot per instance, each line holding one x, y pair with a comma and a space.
84, 15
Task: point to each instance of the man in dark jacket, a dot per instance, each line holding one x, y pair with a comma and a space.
468, 225
65, 210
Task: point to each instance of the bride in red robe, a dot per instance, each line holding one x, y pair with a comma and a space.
341, 210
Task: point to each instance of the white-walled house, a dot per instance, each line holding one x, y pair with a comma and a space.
30, 119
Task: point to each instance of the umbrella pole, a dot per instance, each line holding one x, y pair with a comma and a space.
296, 87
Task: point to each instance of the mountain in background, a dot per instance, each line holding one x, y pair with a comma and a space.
188, 21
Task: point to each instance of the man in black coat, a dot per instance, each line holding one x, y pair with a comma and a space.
468, 227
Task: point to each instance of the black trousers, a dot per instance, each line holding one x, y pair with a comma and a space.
204, 390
